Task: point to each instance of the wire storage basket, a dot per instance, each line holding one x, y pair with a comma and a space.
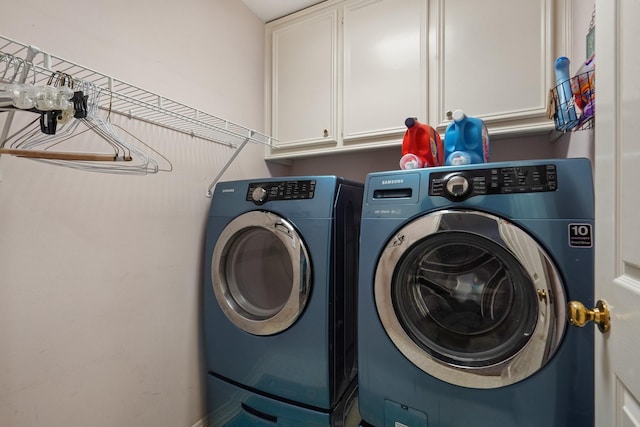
574, 102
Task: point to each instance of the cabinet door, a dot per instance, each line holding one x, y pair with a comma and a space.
304, 81
493, 59
385, 67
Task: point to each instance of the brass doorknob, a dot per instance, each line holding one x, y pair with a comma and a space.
579, 315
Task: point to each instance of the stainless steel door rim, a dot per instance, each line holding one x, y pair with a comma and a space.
260, 273
470, 298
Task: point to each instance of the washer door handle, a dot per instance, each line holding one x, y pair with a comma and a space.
579, 315
281, 226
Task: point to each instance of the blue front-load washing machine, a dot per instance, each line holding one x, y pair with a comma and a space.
465, 276
280, 295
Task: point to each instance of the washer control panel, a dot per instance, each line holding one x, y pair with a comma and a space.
261, 192
461, 184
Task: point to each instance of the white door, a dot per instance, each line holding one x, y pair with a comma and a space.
617, 176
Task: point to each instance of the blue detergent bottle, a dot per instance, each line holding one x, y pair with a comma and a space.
566, 117
466, 140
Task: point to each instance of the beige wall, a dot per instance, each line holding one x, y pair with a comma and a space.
100, 274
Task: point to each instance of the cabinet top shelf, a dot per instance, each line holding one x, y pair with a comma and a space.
135, 102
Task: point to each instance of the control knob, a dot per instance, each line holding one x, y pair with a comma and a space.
259, 195
457, 186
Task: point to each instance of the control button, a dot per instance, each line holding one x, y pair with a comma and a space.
259, 195
457, 186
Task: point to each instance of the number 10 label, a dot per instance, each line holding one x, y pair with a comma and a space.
580, 235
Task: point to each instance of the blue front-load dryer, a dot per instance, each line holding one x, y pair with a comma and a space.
465, 277
280, 295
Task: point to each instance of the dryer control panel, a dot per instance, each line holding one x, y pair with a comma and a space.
261, 192
461, 184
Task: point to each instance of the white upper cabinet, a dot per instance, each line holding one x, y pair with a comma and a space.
494, 60
345, 74
385, 68
303, 80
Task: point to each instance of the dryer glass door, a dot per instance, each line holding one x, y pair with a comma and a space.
260, 273
470, 298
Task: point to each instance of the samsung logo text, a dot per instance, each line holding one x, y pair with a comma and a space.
392, 181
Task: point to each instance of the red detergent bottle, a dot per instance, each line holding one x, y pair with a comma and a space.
421, 146
466, 141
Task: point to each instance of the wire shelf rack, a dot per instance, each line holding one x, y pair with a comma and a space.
135, 102
574, 103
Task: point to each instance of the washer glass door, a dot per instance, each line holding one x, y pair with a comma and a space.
470, 298
260, 273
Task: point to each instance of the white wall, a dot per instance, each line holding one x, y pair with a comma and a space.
100, 274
